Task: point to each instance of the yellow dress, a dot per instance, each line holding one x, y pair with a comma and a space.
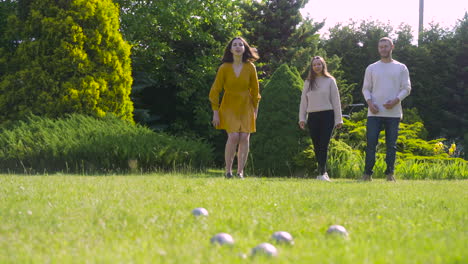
240, 98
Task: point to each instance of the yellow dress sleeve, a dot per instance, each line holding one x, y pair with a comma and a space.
254, 87
216, 89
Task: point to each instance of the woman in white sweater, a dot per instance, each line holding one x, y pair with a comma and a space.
320, 109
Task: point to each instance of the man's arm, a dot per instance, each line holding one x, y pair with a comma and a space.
405, 89
367, 91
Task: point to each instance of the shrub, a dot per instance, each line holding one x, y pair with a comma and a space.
410, 137
343, 161
278, 138
80, 143
68, 57
435, 167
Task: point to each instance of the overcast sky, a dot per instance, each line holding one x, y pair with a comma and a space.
445, 12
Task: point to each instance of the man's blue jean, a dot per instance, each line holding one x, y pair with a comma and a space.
374, 125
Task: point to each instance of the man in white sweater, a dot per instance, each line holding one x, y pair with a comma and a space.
386, 84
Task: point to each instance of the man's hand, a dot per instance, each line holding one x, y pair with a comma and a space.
215, 121
339, 125
372, 107
391, 103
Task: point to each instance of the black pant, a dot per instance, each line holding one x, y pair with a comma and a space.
321, 126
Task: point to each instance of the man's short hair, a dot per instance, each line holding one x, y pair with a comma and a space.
386, 39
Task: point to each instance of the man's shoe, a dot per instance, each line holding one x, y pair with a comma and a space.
326, 176
366, 177
391, 177
228, 175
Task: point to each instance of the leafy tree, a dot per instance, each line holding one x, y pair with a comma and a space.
7, 7
6, 46
281, 34
66, 57
437, 68
177, 47
278, 138
356, 44
439, 80
457, 108
345, 88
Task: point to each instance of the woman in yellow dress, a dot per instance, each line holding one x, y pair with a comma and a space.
238, 109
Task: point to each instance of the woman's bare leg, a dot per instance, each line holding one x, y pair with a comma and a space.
230, 151
243, 152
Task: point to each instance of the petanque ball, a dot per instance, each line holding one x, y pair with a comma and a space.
283, 237
222, 239
265, 249
337, 229
200, 212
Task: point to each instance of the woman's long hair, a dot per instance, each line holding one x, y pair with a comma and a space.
250, 54
312, 75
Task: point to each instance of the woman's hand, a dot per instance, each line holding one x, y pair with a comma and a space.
339, 125
302, 125
256, 113
215, 121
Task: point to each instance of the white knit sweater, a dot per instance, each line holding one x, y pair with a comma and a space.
324, 96
384, 82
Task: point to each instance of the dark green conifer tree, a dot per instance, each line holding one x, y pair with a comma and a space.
278, 138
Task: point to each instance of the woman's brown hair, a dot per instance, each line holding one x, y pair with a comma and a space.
250, 54
312, 75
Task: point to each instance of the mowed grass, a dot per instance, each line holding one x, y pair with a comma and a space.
147, 219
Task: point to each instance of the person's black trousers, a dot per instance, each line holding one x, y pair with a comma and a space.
321, 126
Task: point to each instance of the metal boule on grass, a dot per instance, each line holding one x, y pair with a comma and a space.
222, 239
337, 230
265, 249
283, 237
200, 212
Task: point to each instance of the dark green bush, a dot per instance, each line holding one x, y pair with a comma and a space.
278, 138
85, 144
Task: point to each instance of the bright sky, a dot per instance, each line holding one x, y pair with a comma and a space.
445, 12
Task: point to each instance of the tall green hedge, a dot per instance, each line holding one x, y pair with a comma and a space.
66, 57
278, 138
84, 144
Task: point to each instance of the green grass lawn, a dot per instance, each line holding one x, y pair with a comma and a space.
147, 219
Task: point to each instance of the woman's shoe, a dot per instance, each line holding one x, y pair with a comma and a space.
322, 178
325, 175
240, 175
228, 175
